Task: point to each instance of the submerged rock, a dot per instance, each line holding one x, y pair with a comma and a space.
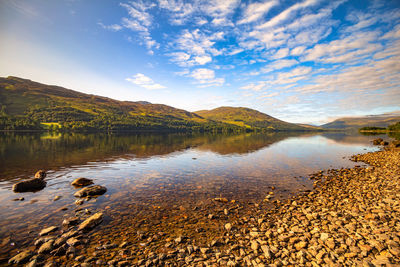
29, 185
48, 230
22, 257
82, 182
93, 190
91, 222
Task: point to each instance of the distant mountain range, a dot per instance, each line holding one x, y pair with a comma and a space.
25, 104
382, 120
28, 105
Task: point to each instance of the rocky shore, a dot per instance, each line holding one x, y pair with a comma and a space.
352, 217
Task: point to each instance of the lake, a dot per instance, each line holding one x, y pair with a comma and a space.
159, 182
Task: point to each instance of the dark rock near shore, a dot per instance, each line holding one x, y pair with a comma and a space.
40, 174
377, 141
79, 182
94, 190
31, 185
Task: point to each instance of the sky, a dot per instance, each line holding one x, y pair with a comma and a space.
307, 61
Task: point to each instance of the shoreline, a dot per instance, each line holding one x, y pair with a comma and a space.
346, 220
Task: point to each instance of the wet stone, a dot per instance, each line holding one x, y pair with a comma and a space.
48, 230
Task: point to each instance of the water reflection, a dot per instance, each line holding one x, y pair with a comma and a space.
157, 176
23, 154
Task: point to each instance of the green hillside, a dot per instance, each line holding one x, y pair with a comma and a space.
355, 123
28, 105
249, 118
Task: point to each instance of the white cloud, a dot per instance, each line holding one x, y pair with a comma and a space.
256, 11
322, 52
113, 27
297, 51
281, 53
255, 86
137, 11
219, 10
270, 95
206, 77
145, 82
279, 64
201, 60
286, 14
235, 51
374, 76
180, 11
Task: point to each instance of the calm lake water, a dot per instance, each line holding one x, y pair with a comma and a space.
157, 177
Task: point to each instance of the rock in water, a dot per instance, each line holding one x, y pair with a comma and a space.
82, 182
40, 174
29, 185
91, 222
48, 230
21, 257
93, 190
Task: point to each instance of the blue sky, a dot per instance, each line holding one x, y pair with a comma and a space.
301, 61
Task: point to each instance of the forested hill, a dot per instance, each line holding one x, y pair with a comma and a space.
28, 105
249, 118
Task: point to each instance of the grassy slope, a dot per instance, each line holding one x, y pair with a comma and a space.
18, 95
368, 121
249, 118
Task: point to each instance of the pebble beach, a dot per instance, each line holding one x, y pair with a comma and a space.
351, 218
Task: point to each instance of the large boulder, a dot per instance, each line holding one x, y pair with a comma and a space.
91, 222
82, 182
94, 190
31, 185
40, 174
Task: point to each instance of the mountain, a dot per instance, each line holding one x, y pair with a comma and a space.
25, 104
29, 105
381, 120
249, 118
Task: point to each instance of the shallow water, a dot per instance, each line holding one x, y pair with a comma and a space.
157, 177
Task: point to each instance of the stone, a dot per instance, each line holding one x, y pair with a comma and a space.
82, 182
91, 222
221, 199
32, 263
20, 258
59, 251
31, 185
267, 252
254, 245
324, 236
48, 230
73, 241
56, 198
300, 245
204, 250
70, 221
40, 174
228, 227
46, 247
94, 190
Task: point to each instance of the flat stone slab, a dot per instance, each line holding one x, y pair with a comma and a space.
94, 190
